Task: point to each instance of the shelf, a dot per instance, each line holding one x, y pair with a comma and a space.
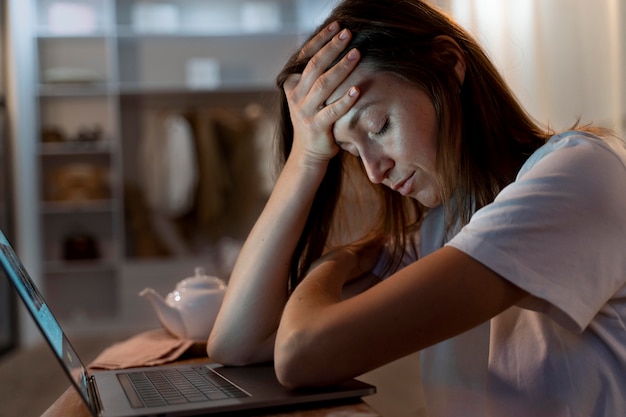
110, 71
101, 147
74, 61
76, 89
72, 18
44, 33
129, 33
129, 88
80, 267
77, 207
224, 88
230, 63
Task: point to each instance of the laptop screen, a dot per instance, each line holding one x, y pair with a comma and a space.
14, 270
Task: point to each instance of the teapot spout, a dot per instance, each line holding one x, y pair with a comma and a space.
169, 316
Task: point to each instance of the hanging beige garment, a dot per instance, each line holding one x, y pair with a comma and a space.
263, 141
169, 163
214, 176
235, 133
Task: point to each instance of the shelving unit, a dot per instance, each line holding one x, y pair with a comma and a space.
103, 65
79, 152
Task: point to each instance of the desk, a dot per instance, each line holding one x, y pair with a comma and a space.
70, 404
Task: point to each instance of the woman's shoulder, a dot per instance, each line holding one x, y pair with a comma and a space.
602, 140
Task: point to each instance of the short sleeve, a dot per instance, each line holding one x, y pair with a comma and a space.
558, 231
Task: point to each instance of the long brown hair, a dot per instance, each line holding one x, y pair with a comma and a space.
484, 135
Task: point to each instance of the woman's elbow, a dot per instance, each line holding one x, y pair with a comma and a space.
223, 353
217, 354
285, 359
232, 353
296, 361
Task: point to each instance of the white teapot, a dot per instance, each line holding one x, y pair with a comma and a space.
190, 310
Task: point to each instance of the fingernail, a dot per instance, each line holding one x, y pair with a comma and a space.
353, 91
333, 27
343, 35
352, 55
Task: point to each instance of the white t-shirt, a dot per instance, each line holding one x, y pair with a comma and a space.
558, 232
453, 373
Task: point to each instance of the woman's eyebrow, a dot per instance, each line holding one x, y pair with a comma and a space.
357, 114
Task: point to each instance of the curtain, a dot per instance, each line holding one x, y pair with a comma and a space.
564, 59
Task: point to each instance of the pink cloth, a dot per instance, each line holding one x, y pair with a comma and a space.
153, 347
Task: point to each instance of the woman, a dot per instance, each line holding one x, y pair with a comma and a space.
483, 216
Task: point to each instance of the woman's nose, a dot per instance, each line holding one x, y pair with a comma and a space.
377, 169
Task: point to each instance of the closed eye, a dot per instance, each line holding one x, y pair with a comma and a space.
382, 130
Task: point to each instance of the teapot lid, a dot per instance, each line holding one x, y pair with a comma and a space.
201, 280
198, 271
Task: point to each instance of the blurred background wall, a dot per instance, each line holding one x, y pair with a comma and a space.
565, 59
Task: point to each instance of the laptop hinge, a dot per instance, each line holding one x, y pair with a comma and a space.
94, 396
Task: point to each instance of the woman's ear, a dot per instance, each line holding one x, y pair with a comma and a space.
450, 52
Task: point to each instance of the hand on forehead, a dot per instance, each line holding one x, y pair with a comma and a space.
361, 77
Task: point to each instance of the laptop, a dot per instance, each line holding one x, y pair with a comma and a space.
168, 390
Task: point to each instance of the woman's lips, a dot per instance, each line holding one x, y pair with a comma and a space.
404, 187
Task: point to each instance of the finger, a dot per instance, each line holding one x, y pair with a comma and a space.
335, 111
318, 41
319, 63
325, 85
291, 82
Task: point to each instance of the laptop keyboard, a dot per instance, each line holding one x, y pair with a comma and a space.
177, 386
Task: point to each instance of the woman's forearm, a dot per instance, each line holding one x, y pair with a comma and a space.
257, 289
435, 298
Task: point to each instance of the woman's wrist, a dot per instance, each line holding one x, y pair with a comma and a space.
308, 167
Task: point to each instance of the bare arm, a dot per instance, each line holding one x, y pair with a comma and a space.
245, 328
435, 298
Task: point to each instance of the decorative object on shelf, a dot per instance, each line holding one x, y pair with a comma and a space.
52, 134
88, 134
56, 134
65, 17
260, 16
203, 73
80, 246
77, 182
71, 75
150, 16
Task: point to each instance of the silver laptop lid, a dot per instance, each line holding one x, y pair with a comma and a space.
33, 300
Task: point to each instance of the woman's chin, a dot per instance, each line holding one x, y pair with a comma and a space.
427, 198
